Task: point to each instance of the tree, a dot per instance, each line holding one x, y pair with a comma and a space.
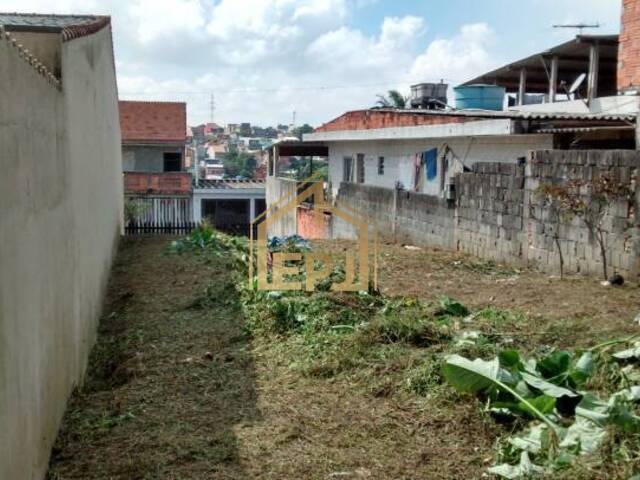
299, 131
589, 201
240, 164
394, 99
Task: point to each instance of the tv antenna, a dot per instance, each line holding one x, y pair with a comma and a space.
579, 26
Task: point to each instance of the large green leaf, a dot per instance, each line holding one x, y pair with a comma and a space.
613, 412
547, 388
525, 469
555, 364
535, 440
486, 376
630, 353
583, 369
471, 376
584, 436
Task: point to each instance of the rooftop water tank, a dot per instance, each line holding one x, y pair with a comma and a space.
479, 97
431, 96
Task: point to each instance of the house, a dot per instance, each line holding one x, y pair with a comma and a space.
157, 186
466, 178
422, 150
228, 205
153, 136
581, 94
60, 219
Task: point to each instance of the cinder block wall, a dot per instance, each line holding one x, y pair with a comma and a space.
580, 249
498, 215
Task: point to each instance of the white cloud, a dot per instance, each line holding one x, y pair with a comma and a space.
458, 58
165, 18
264, 58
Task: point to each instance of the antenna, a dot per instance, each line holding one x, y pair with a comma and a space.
579, 26
213, 106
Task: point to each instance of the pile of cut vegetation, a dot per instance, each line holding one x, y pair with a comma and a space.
569, 414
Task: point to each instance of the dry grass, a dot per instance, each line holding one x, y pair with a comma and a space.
176, 389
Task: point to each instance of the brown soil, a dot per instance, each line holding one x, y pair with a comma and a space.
176, 390
578, 308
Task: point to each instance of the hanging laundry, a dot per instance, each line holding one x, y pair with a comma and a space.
431, 163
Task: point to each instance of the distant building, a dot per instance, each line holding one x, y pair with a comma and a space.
153, 159
153, 136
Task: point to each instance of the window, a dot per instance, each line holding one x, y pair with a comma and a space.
172, 162
347, 169
360, 158
380, 165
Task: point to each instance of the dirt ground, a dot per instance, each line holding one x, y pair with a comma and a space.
588, 310
177, 390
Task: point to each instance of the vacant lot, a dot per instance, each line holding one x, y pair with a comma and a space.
177, 388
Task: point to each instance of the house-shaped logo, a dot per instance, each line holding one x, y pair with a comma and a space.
284, 270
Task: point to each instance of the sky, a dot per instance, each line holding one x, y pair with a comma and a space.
262, 60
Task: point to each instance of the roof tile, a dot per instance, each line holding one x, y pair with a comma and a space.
153, 122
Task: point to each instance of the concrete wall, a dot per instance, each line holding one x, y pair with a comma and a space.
280, 191
145, 158
399, 162
46, 47
497, 214
60, 218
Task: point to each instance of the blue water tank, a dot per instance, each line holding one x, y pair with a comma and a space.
482, 97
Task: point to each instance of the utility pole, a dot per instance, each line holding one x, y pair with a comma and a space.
293, 120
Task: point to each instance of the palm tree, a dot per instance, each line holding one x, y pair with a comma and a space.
394, 99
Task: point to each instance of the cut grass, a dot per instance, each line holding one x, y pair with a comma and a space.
219, 384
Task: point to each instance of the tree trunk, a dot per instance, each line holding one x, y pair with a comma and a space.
603, 251
556, 238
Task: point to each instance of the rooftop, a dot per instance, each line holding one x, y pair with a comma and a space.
153, 122
73, 25
230, 184
573, 60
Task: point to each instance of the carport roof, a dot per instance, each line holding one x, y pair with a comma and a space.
573, 59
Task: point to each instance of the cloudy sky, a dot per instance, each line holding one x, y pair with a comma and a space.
263, 59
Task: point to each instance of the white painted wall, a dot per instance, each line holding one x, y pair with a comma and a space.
60, 218
398, 155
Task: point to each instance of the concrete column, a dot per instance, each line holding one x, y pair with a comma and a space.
252, 209
522, 88
553, 80
594, 67
197, 209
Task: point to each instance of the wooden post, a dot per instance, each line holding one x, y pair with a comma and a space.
553, 81
594, 67
522, 88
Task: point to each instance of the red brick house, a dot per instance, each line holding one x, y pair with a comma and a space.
157, 187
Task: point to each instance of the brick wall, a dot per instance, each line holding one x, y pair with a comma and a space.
629, 49
312, 224
498, 215
370, 119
